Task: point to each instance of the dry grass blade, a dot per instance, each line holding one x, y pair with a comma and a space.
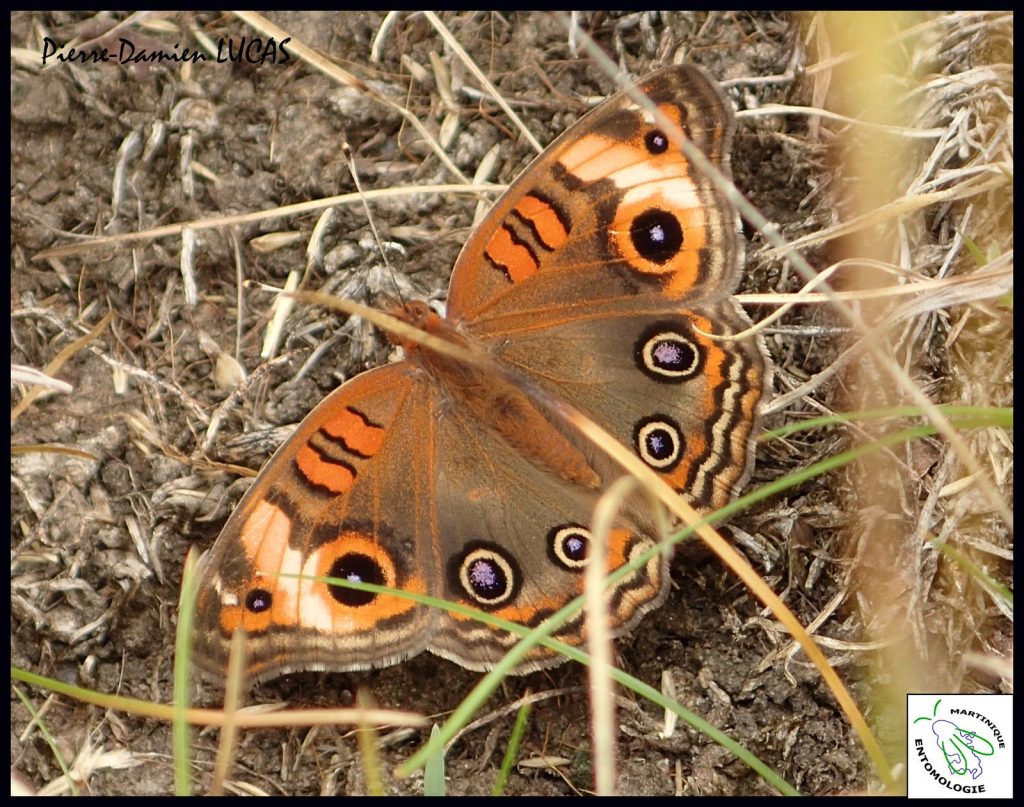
29, 375
995, 279
216, 717
328, 68
453, 43
50, 449
599, 643
58, 361
234, 683
284, 211
826, 114
367, 737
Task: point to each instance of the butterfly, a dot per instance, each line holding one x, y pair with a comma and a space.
602, 278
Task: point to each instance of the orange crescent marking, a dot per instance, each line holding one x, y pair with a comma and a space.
332, 476
512, 257
618, 543
524, 613
673, 113
684, 276
232, 617
383, 606
361, 436
686, 265
549, 227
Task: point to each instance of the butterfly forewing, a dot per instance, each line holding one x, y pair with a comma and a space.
612, 208
347, 496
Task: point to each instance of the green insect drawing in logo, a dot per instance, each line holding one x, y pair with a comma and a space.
962, 749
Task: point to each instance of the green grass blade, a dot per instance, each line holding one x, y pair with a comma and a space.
433, 770
50, 741
512, 752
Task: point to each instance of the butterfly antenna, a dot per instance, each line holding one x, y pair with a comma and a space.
347, 150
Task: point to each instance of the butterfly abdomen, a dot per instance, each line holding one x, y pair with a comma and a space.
524, 427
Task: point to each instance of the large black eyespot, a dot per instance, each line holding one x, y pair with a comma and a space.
568, 546
656, 141
259, 600
358, 568
666, 353
485, 573
659, 442
656, 235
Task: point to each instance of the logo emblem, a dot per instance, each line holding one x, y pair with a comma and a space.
959, 746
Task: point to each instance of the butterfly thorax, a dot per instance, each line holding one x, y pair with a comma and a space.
489, 397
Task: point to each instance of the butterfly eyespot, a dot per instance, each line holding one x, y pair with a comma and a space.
487, 575
656, 235
666, 354
258, 600
659, 442
358, 568
568, 546
656, 142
